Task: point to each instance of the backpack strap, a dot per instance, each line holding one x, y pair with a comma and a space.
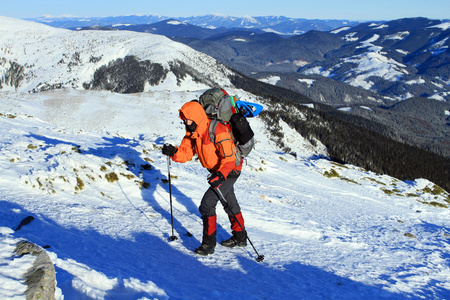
212, 136
212, 129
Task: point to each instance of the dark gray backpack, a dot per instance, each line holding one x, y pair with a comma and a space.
220, 108
217, 104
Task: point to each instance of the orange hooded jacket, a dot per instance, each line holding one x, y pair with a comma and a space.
219, 156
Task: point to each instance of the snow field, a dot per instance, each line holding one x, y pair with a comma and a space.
97, 187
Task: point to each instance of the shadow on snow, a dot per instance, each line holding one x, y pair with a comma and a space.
147, 258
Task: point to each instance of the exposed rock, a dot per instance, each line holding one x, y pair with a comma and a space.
41, 278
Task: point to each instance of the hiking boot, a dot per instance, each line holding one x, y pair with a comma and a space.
209, 236
204, 250
239, 239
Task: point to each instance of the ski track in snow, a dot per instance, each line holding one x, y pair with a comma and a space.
322, 238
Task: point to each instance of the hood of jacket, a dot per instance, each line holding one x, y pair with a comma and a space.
194, 111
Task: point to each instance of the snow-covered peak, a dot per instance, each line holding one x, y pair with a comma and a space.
148, 15
50, 56
217, 15
250, 19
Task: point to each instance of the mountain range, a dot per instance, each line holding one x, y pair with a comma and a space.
345, 65
396, 59
38, 58
278, 24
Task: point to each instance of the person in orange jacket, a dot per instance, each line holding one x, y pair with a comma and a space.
224, 163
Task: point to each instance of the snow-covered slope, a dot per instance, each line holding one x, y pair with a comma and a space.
400, 59
327, 231
369, 64
87, 165
39, 57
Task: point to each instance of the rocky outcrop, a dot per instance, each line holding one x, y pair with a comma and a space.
41, 277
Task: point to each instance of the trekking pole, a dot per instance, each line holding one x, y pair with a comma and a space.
172, 237
260, 258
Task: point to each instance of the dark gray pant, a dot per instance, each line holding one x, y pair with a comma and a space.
211, 197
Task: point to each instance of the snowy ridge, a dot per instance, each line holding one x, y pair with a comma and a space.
51, 56
372, 63
93, 176
382, 57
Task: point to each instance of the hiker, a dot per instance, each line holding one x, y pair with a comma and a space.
219, 157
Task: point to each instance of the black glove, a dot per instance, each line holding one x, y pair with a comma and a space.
169, 150
216, 179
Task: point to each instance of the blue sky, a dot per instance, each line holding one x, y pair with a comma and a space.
308, 9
